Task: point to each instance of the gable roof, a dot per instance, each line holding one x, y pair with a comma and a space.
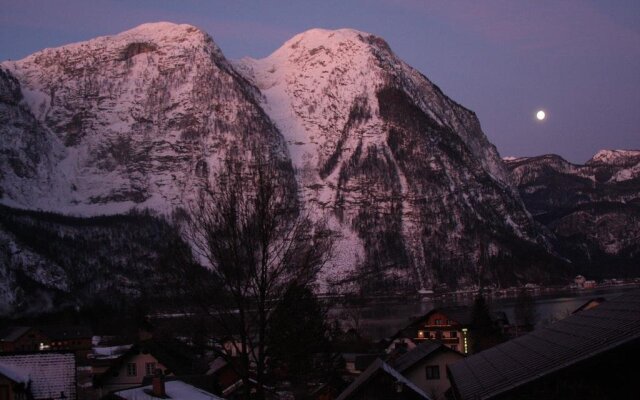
50, 373
377, 367
176, 390
14, 374
177, 357
529, 357
419, 353
13, 333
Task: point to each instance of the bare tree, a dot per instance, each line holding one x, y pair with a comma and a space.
249, 230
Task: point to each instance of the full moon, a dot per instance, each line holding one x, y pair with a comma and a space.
540, 115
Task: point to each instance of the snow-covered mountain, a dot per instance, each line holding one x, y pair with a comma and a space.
135, 119
141, 119
593, 209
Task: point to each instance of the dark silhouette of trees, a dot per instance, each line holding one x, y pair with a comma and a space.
525, 311
299, 345
257, 245
484, 332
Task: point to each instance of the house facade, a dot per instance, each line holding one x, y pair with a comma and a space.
448, 326
130, 371
426, 367
23, 339
12, 387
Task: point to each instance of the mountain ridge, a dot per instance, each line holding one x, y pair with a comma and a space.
416, 193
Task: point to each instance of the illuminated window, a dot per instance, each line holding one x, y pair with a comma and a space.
432, 372
132, 369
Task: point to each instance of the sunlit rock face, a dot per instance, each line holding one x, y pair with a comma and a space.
134, 119
405, 175
593, 209
384, 152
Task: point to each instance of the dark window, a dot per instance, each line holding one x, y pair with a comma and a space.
438, 321
433, 372
453, 333
132, 370
149, 368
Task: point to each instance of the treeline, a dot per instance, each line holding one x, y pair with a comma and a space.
106, 260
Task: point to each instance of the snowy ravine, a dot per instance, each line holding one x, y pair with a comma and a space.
142, 119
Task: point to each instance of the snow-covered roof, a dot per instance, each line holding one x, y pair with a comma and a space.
13, 373
105, 352
50, 373
176, 390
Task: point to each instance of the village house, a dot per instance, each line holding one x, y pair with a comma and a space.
13, 384
56, 338
69, 337
591, 354
161, 388
38, 376
449, 326
22, 338
426, 367
141, 361
382, 382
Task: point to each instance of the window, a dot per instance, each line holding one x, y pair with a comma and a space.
438, 321
454, 347
433, 372
149, 368
132, 370
453, 334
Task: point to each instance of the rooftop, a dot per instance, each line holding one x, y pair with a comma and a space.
542, 352
380, 367
50, 373
419, 353
176, 390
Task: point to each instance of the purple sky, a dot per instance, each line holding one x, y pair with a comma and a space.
504, 59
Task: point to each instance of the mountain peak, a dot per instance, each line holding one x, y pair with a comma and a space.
162, 30
615, 157
318, 40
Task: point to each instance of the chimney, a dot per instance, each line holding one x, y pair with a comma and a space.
157, 384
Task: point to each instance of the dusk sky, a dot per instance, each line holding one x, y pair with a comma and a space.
579, 61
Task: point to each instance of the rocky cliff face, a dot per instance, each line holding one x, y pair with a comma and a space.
137, 119
593, 209
142, 119
379, 147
